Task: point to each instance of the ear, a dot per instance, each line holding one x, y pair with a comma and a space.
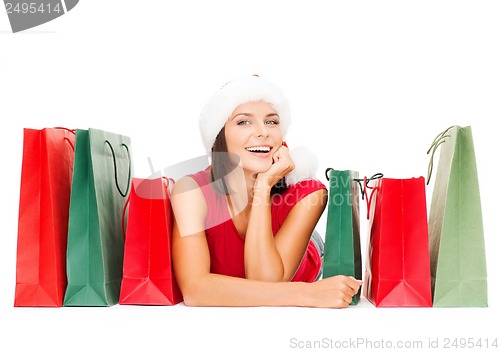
306, 165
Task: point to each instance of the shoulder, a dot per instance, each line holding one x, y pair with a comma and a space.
201, 177
186, 183
187, 194
189, 206
192, 181
193, 193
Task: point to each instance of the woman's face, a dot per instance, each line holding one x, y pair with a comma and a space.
253, 134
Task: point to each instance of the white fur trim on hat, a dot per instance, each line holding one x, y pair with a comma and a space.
306, 165
234, 93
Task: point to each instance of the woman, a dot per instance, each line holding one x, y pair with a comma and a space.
242, 229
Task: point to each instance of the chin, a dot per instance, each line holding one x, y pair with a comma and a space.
257, 166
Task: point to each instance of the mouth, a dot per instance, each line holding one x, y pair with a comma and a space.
261, 149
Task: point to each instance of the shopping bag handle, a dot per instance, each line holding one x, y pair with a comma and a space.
116, 171
67, 129
440, 139
70, 143
327, 171
125, 206
168, 181
127, 202
73, 131
364, 187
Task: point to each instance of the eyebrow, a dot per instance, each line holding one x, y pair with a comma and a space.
252, 115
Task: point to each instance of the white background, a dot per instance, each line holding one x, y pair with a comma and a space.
370, 83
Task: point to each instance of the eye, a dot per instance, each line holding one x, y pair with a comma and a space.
272, 122
243, 122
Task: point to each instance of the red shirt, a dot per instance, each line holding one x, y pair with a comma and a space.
227, 246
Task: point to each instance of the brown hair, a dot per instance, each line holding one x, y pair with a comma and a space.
221, 166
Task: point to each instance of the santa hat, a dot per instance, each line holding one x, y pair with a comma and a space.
252, 89
234, 93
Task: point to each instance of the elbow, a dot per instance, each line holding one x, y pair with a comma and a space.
267, 276
191, 300
193, 295
268, 273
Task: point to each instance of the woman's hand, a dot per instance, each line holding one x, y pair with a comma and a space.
282, 166
332, 292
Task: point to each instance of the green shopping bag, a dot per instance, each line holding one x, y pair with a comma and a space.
342, 241
456, 238
101, 181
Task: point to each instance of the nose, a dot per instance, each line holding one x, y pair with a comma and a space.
261, 130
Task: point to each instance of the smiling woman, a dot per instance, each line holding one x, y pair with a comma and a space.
244, 229
235, 142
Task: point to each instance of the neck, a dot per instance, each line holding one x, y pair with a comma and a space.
241, 182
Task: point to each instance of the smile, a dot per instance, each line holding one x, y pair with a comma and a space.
259, 149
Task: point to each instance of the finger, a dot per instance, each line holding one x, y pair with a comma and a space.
284, 155
349, 291
341, 303
353, 283
348, 299
278, 154
282, 150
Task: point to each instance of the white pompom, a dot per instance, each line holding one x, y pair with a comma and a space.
306, 165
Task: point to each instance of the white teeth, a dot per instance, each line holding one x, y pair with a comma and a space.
258, 149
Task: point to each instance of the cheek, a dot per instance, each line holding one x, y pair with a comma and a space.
235, 141
277, 135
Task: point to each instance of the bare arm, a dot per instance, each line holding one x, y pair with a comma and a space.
201, 288
276, 258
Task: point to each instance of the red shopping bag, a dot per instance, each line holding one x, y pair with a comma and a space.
47, 167
148, 277
398, 265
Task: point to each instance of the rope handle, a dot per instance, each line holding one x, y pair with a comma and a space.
440, 139
326, 173
125, 206
168, 185
116, 171
73, 131
364, 187
67, 129
167, 182
70, 143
